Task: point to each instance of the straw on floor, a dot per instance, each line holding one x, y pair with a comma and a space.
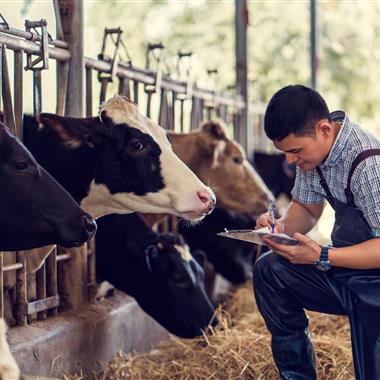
239, 348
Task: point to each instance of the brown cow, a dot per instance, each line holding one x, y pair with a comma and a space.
222, 163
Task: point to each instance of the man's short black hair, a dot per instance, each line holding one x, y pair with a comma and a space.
294, 109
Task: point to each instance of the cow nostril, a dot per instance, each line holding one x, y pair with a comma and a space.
89, 224
204, 197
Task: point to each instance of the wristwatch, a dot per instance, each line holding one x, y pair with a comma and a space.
323, 264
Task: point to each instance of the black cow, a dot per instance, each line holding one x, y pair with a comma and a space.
34, 209
157, 270
118, 162
277, 174
231, 258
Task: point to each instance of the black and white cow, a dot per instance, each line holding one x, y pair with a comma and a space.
34, 209
118, 162
233, 259
157, 270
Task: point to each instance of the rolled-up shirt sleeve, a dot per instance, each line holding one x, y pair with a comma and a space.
303, 189
365, 185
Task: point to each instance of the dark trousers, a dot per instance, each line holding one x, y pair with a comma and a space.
283, 290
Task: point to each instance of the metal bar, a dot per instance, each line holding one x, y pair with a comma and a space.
40, 306
30, 36
163, 113
21, 297
182, 111
1, 286
103, 89
63, 257
41, 290
58, 24
124, 88
171, 124
147, 77
6, 90
241, 49
37, 97
136, 92
12, 267
72, 22
18, 91
51, 278
33, 48
313, 43
62, 77
148, 103
88, 91
209, 113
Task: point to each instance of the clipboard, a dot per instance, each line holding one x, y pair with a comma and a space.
255, 236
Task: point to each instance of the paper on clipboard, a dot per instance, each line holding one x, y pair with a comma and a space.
255, 236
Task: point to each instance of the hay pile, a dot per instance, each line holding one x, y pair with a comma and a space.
238, 349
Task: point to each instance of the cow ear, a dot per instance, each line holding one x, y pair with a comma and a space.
217, 152
73, 132
215, 129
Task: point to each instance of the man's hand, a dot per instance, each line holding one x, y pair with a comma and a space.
307, 252
264, 220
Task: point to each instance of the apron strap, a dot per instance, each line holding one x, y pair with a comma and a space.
325, 187
360, 157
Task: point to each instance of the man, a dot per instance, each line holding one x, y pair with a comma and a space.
339, 162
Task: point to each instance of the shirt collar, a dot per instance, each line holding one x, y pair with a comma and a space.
341, 139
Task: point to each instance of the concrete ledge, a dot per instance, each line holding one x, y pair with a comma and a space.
86, 339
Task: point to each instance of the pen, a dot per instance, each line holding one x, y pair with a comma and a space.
272, 210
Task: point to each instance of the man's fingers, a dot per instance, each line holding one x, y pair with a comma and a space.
278, 247
302, 238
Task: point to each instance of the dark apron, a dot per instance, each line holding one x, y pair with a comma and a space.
351, 228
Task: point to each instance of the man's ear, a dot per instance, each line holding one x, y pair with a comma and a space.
73, 132
324, 128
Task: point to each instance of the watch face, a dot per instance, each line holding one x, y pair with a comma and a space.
323, 265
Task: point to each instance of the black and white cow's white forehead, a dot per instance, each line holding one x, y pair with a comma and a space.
123, 111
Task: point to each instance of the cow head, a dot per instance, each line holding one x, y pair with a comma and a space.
179, 280
135, 169
34, 209
222, 162
157, 269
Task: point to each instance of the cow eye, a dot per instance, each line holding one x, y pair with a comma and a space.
136, 146
21, 166
238, 160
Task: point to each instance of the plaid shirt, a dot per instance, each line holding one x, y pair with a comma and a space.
365, 183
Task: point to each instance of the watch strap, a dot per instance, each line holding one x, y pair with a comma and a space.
324, 253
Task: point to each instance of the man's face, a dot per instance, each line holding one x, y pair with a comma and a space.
307, 152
